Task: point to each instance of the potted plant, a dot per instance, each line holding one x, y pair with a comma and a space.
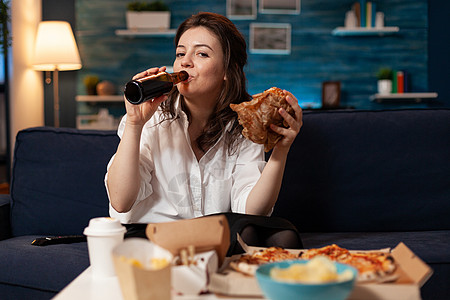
384, 76
5, 36
90, 82
148, 15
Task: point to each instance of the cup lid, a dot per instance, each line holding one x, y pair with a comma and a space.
104, 226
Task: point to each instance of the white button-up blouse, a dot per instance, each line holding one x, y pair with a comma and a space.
175, 185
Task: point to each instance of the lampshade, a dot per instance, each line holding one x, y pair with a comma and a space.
55, 47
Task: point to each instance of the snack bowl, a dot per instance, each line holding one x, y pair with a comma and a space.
279, 290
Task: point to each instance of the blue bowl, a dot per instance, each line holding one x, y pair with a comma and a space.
277, 290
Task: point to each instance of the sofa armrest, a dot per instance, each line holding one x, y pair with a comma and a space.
5, 219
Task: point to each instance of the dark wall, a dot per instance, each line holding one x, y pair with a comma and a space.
438, 62
316, 55
61, 10
439, 49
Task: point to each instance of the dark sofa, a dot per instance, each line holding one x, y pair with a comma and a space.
360, 179
56, 188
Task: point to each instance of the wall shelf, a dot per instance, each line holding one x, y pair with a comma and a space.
364, 31
417, 97
145, 33
92, 122
96, 98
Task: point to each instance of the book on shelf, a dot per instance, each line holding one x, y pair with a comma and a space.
406, 82
400, 82
369, 14
394, 81
374, 15
356, 7
365, 12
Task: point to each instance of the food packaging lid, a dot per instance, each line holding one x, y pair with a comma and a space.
104, 226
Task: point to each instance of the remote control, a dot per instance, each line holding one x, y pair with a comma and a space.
53, 240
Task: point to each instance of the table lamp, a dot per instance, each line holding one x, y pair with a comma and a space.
55, 50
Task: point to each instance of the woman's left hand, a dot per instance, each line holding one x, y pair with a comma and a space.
295, 123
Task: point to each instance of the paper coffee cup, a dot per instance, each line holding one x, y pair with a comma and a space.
103, 234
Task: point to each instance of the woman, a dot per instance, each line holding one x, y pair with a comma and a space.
182, 155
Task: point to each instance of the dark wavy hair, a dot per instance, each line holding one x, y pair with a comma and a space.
234, 88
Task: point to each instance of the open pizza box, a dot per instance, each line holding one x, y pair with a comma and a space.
412, 274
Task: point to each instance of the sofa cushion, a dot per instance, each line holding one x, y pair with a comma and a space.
48, 268
57, 183
369, 171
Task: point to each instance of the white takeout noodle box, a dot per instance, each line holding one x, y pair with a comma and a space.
194, 278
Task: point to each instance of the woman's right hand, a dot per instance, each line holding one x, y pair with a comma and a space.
139, 114
123, 181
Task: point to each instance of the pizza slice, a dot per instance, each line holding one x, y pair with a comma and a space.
371, 265
248, 263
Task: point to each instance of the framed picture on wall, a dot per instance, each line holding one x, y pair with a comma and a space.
279, 7
270, 38
241, 9
331, 94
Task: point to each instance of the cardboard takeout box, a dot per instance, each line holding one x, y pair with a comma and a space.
137, 279
412, 271
205, 233
210, 236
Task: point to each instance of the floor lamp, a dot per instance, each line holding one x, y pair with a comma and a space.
55, 50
